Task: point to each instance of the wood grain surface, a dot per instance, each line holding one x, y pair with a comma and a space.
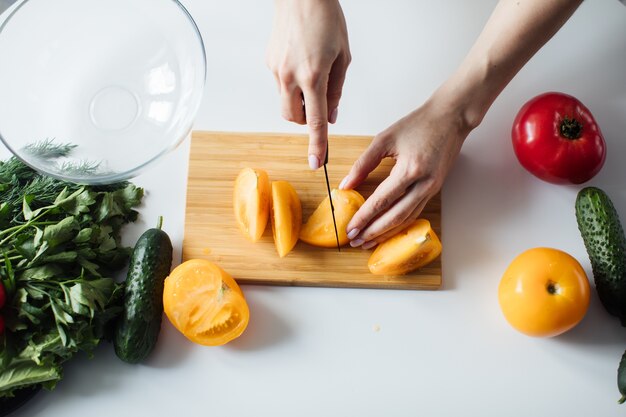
211, 232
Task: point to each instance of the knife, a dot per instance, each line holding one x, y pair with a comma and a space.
330, 197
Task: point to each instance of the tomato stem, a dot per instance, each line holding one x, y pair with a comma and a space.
553, 288
571, 128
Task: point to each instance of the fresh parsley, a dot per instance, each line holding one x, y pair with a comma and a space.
59, 248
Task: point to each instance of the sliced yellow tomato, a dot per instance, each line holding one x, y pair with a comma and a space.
251, 201
414, 247
319, 230
286, 216
205, 303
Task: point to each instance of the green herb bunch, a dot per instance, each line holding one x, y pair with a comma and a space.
59, 248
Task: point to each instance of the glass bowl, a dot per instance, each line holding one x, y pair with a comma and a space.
93, 91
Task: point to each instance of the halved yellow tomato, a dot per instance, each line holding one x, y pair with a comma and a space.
319, 230
205, 303
414, 247
286, 216
251, 201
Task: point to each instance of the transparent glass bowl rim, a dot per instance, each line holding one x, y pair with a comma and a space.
119, 176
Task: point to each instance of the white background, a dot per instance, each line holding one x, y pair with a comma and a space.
316, 352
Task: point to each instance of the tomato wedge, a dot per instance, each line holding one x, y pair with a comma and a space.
251, 202
205, 303
414, 247
286, 216
319, 230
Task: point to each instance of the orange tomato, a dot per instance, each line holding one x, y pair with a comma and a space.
544, 292
251, 201
286, 216
205, 303
414, 247
319, 230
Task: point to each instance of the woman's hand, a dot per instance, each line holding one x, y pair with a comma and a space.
309, 55
424, 145
426, 142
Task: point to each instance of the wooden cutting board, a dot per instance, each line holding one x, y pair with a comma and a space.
211, 232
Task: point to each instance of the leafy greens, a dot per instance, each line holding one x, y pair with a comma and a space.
59, 247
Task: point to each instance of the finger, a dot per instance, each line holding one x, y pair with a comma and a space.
386, 194
277, 80
398, 229
292, 105
407, 208
316, 113
335, 86
367, 162
387, 235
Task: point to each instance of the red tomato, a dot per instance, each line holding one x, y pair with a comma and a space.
556, 138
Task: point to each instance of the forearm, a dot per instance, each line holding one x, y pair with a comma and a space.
516, 30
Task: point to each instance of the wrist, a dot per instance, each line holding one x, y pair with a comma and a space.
468, 97
474, 86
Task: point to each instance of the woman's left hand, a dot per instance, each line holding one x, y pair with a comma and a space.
424, 145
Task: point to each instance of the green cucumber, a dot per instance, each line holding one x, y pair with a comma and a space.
604, 239
621, 378
137, 330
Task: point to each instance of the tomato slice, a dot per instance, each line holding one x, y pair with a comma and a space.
286, 216
251, 202
205, 303
319, 230
414, 247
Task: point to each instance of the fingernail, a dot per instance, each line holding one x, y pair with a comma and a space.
343, 183
314, 163
352, 233
356, 242
370, 245
333, 115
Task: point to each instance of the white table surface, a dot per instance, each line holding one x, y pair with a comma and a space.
346, 352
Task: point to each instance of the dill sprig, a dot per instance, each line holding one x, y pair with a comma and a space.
18, 180
52, 153
49, 149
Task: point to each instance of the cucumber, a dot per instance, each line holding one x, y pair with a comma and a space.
137, 330
604, 239
621, 378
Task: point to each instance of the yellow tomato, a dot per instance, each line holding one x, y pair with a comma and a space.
205, 303
319, 229
286, 216
251, 202
544, 292
414, 247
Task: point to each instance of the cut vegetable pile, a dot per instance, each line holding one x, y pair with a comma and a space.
412, 248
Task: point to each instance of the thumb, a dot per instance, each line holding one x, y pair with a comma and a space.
367, 162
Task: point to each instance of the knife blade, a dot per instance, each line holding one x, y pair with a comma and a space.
330, 197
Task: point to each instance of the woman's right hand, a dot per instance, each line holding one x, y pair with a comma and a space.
309, 55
